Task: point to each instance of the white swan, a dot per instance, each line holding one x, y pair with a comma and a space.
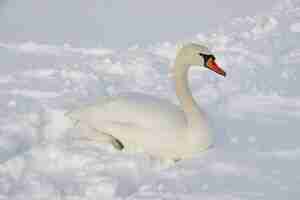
155, 126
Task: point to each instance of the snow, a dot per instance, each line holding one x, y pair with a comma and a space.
264, 24
34, 93
295, 27
287, 154
254, 113
34, 48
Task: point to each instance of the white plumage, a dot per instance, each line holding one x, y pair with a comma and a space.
152, 125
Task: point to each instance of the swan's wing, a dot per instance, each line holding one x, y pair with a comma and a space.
135, 138
136, 110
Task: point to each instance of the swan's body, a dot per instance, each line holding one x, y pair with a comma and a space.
153, 125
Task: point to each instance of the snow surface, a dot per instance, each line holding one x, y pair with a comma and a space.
254, 111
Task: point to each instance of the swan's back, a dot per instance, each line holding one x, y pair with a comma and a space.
133, 109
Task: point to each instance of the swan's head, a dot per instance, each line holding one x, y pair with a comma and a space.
195, 54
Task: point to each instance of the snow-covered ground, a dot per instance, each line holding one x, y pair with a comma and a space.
254, 111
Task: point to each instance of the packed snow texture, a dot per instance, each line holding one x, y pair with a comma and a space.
254, 112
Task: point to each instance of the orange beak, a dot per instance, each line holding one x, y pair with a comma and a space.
212, 65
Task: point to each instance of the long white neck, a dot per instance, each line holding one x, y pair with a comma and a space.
197, 128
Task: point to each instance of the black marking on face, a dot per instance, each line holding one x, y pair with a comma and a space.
206, 57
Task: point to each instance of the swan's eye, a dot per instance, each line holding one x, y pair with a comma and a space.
207, 57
